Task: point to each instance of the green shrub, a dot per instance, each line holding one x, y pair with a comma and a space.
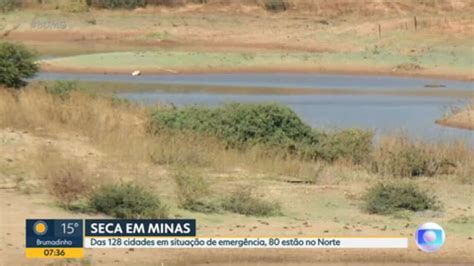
62, 88
276, 5
272, 125
351, 144
244, 201
197, 1
113, 4
127, 201
239, 124
8, 5
192, 193
16, 63
393, 197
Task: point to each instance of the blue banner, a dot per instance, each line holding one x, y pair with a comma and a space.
52, 233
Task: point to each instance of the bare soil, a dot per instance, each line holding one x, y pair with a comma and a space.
463, 119
23, 196
251, 29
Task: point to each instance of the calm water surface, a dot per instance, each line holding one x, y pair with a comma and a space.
384, 114
276, 80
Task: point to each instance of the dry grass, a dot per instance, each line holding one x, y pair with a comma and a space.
67, 179
102, 120
120, 129
400, 156
460, 117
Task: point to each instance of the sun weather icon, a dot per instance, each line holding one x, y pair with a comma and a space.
40, 228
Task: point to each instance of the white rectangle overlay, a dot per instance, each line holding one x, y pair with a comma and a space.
247, 242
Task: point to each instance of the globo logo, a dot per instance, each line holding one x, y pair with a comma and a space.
430, 237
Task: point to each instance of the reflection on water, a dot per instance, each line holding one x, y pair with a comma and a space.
384, 114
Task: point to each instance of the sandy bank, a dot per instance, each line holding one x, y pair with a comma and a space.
463, 119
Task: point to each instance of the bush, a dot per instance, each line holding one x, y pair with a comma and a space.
239, 124
401, 157
113, 4
8, 5
74, 6
128, 201
68, 184
16, 64
351, 144
62, 88
273, 125
244, 201
393, 197
276, 5
192, 193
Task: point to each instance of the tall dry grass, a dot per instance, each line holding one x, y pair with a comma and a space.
402, 156
121, 129
102, 120
67, 179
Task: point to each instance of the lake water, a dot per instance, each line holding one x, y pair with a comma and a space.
276, 80
384, 114
413, 115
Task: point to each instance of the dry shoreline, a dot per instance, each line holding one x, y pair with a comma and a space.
362, 70
463, 120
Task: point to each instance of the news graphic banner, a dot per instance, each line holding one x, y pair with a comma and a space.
49, 238
68, 238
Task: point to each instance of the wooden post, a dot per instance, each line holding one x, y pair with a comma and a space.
415, 22
380, 30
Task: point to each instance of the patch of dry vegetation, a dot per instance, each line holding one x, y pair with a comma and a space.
400, 156
67, 179
123, 131
459, 118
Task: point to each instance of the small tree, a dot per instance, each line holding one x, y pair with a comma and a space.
16, 64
